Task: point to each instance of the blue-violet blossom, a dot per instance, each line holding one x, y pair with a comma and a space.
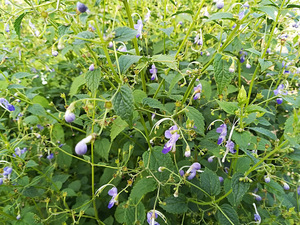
153, 71
220, 4
222, 130
139, 28
112, 192
19, 152
230, 146
151, 218
81, 7
197, 91
173, 136
5, 104
81, 147
7, 170
280, 91
193, 170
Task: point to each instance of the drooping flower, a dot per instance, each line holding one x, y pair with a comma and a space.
221, 179
197, 91
173, 136
193, 170
151, 218
257, 217
122, 48
230, 146
81, 7
18, 217
286, 186
241, 14
92, 67
147, 16
81, 147
153, 71
7, 170
139, 28
222, 130
114, 193
5, 104
211, 159
69, 115
248, 65
257, 197
54, 53
267, 179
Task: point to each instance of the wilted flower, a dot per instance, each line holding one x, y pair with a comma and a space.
173, 136
222, 130
91, 27
153, 71
151, 218
114, 193
81, 7
139, 28
5, 104
197, 91
81, 147
110, 44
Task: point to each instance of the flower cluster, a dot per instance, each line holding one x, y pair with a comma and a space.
173, 136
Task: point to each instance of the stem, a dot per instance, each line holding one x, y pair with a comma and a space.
264, 53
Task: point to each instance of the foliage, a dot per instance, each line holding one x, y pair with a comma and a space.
181, 112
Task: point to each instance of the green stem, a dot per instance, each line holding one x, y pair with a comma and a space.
264, 52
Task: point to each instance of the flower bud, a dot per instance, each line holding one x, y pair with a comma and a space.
69, 116
242, 96
81, 7
81, 147
161, 168
220, 4
92, 67
232, 68
267, 179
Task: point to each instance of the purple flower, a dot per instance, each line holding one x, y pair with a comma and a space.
242, 59
220, 4
153, 71
81, 7
110, 44
286, 186
193, 170
257, 197
197, 90
147, 16
1, 181
298, 190
267, 179
51, 156
151, 218
268, 51
69, 116
18, 217
230, 146
198, 40
279, 101
122, 48
211, 159
241, 14
139, 28
7, 170
7, 28
91, 27
221, 179
92, 67
222, 130
246, 5
248, 66
280, 91
40, 127
81, 147
19, 152
112, 192
181, 172
54, 53
5, 104
173, 136
257, 217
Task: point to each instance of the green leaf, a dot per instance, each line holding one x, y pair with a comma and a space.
209, 182
20, 75
257, 108
242, 139
63, 160
168, 60
123, 103
168, 31
85, 35
264, 132
242, 164
93, 79
17, 23
253, 50
124, 34
239, 188
196, 116
138, 96
157, 159
269, 10
102, 148
77, 83
120, 213
175, 78
264, 64
31, 120
154, 103
31, 163
228, 107
219, 16
175, 205
125, 61
37, 109
227, 215
135, 212
41, 100
222, 75
61, 177
141, 188
58, 133
117, 127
